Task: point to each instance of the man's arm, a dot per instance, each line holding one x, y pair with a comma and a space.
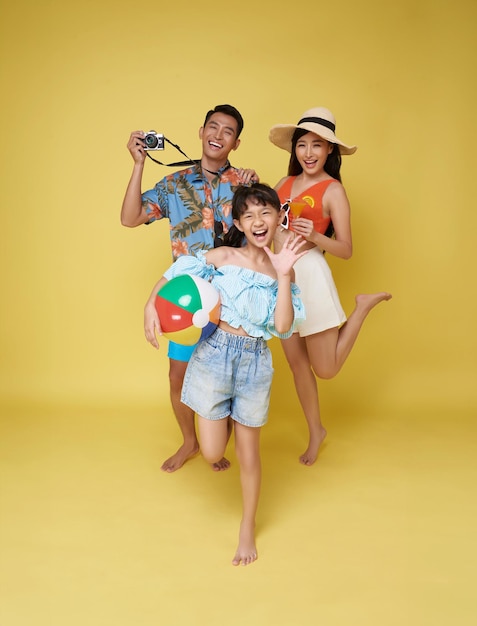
132, 211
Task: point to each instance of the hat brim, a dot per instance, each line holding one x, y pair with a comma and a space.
281, 135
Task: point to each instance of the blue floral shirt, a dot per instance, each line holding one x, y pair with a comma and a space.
248, 299
192, 205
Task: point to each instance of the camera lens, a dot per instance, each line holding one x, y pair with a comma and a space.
150, 141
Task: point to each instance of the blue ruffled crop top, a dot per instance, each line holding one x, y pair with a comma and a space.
248, 298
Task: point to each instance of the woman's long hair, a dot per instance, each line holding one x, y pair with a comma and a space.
258, 192
332, 166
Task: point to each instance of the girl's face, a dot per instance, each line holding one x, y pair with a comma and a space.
259, 222
312, 151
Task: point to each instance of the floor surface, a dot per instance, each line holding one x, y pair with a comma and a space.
380, 531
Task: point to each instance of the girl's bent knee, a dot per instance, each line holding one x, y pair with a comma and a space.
212, 456
325, 373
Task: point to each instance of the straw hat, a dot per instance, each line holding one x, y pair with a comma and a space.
319, 121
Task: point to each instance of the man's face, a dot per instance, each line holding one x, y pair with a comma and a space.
219, 136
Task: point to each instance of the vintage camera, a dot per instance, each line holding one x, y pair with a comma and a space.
153, 141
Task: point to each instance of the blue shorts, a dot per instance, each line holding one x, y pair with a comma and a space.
230, 375
178, 352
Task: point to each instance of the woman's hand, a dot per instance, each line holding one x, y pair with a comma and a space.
304, 227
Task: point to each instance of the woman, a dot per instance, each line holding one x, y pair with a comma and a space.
319, 211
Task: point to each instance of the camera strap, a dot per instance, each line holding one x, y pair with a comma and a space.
178, 163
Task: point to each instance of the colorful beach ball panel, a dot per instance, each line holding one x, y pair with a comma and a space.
188, 309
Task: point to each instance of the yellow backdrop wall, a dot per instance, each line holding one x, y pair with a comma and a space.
79, 77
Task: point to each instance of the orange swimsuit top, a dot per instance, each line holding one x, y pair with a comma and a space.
313, 196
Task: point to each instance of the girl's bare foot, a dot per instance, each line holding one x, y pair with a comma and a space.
221, 465
177, 460
311, 453
246, 551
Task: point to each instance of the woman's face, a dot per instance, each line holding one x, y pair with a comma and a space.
312, 151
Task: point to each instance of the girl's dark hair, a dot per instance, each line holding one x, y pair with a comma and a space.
332, 165
260, 194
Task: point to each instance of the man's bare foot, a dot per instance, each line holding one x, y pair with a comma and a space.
177, 460
311, 453
367, 301
246, 551
221, 465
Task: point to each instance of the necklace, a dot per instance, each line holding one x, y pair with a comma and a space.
210, 171
226, 167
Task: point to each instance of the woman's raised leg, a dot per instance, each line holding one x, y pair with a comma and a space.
329, 349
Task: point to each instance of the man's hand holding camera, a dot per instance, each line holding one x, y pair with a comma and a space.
136, 146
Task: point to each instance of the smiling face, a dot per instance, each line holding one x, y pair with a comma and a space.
258, 222
311, 152
219, 137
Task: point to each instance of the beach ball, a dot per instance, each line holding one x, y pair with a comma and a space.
188, 308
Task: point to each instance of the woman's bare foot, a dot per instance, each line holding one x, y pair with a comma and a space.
311, 453
177, 460
367, 301
246, 551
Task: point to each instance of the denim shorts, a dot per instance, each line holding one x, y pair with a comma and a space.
230, 375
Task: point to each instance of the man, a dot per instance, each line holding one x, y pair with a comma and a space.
197, 202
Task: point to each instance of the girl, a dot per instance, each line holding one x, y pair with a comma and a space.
228, 379
318, 210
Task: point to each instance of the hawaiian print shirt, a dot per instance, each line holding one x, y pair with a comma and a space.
193, 206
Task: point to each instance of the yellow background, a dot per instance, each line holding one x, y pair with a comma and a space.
77, 79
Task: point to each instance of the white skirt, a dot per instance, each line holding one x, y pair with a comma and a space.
323, 309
